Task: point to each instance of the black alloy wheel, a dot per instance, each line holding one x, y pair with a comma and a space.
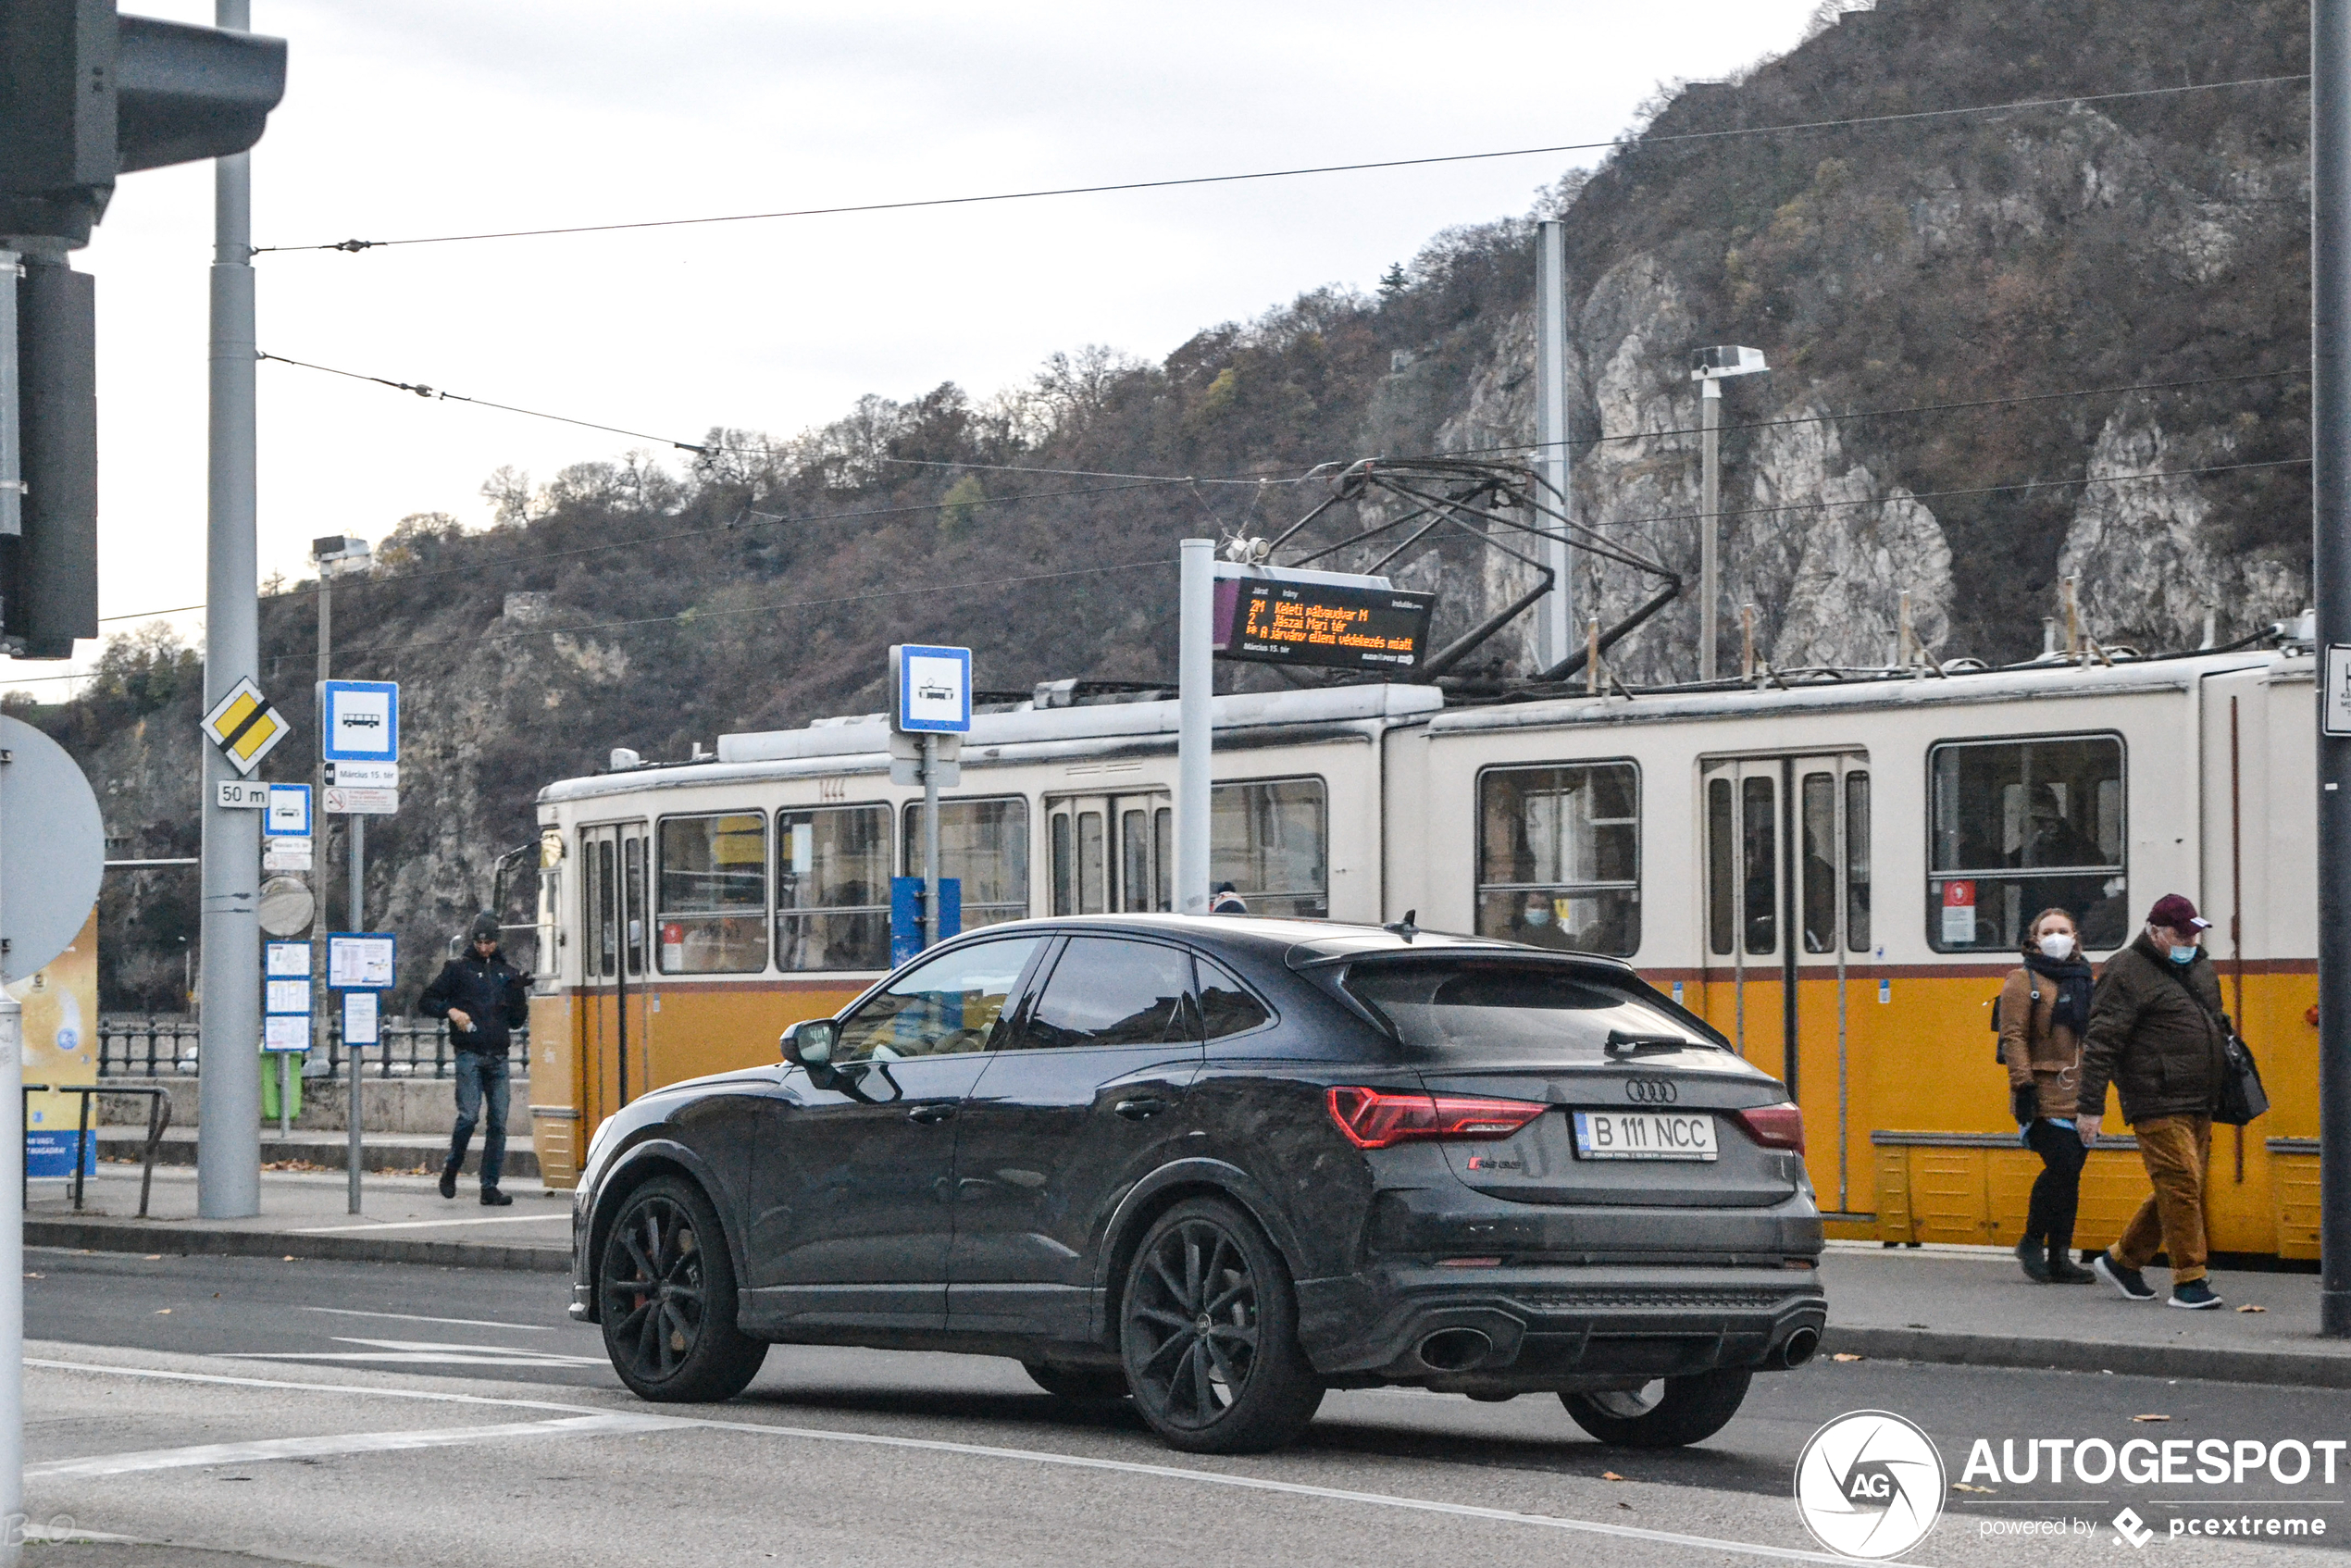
1665, 1413
666, 1295
1209, 1333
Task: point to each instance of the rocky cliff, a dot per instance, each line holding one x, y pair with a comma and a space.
2059, 341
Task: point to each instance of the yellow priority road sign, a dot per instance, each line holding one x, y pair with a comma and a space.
245, 725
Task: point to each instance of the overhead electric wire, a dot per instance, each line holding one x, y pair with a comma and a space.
437, 394
356, 245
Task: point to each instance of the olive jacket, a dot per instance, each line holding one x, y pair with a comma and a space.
2165, 1050
2042, 1054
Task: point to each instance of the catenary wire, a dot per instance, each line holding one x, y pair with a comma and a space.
437, 394
356, 245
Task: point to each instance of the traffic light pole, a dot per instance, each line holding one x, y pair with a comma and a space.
229, 1082
11, 1033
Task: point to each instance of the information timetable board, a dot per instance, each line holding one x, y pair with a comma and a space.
1277, 621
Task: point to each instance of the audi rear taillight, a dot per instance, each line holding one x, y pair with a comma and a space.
1773, 1126
1373, 1118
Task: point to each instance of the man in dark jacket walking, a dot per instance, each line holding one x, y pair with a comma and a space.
2157, 1034
484, 998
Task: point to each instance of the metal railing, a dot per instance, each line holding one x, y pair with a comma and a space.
165, 1046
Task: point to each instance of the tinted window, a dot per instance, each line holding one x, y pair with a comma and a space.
1473, 1010
948, 1005
1224, 1007
1105, 992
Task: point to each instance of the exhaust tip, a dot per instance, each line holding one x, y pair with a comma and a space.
1799, 1347
1454, 1350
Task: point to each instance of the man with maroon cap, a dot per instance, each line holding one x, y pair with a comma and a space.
2157, 1034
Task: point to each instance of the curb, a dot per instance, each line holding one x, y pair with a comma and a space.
2283, 1367
99, 1236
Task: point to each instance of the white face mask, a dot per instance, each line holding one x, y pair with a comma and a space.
2057, 944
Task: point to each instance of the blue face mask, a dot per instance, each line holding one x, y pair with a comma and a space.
2183, 955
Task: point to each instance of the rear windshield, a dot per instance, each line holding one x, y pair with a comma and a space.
1486, 1011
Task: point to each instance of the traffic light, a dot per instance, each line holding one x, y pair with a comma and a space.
87, 95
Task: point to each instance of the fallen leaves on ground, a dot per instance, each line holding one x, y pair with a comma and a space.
1964, 1486
2150, 1418
163, 1312
1845, 1356
2249, 1307
36, 1276
1610, 1476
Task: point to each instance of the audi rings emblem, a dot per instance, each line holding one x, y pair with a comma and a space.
1651, 1092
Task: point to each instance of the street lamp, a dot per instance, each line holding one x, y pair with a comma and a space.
1710, 368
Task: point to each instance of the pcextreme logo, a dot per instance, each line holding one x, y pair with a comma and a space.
1868, 1485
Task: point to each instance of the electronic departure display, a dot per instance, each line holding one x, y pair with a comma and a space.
1270, 620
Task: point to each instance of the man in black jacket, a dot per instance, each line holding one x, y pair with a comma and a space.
484, 998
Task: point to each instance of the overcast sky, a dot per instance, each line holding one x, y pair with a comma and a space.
435, 116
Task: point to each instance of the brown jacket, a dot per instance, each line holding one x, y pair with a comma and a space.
2165, 1050
2041, 1053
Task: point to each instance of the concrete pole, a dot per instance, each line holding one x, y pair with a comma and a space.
2331, 580
11, 1028
930, 840
1710, 504
1558, 616
1195, 675
229, 1082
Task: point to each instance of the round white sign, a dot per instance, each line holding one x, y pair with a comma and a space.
1869, 1485
53, 849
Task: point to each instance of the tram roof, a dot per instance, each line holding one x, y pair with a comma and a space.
2176, 674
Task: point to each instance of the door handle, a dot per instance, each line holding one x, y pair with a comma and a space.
928, 1114
1140, 1110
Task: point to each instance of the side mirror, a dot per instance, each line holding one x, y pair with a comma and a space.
810, 1043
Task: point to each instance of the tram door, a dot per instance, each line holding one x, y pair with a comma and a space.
1787, 841
614, 1064
1112, 854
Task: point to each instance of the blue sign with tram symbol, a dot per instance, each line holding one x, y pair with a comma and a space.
932, 688
906, 915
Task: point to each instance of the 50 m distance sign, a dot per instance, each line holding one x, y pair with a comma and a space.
1333, 625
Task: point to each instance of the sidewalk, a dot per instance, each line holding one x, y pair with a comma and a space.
1973, 1306
305, 1215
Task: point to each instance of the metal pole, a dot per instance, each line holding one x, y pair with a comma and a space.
930, 840
2331, 580
1710, 503
356, 830
1552, 630
322, 1001
12, 1171
228, 1071
1196, 674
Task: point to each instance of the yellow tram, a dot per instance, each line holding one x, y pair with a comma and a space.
1837, 876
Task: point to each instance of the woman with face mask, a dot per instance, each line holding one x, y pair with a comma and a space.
2044, 1009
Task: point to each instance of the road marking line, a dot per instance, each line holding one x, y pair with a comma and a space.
426, 1225
427, 1351
1080, 1462
413, 1317
206, 1454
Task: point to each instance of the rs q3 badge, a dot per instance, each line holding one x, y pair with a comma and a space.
1869, 1485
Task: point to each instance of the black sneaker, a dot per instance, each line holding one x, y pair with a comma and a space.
2132, 1284
2032, 1253
449, 1181
2195, 1296
494, 1197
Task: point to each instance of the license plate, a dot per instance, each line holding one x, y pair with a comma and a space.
1644, 1135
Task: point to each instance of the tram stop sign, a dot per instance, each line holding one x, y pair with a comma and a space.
53, 850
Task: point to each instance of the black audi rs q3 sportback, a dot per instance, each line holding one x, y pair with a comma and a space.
1222, 1165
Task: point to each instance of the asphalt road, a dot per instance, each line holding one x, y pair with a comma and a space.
417, 1416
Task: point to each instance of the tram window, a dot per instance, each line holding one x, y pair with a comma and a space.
832, 889
2022, 826
1269, 840
985, 844
713, 910
600, 896
1760, 848
1720, 876
1559, 856
1818, 793
632, 854
1857, 861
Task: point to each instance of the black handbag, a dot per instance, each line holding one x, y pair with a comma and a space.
2241, 1096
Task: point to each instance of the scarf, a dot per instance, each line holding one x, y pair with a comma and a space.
2071, 1010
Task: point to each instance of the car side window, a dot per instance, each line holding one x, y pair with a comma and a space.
946, 1006
1225, 1007
1106, 992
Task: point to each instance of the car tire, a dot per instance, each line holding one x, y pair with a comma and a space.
1669, 1414
665, 1291
1078, 1382
1208, 1332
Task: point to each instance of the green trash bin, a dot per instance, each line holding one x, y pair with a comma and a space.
269, 1071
